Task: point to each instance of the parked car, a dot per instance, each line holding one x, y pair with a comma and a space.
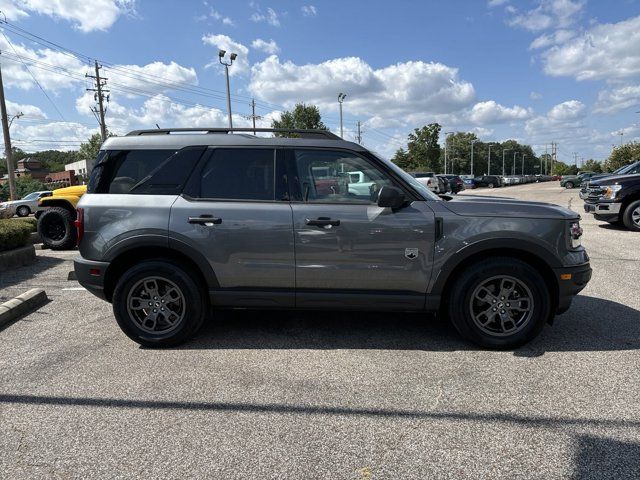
572, 181
56, 214
455, 183
430, 180
490, 181
445, 187
174, 226
469, 183
24, 206
631, 169
616, 200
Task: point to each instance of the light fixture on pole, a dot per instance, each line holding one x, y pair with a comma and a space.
446, 141
232, 57
341, 97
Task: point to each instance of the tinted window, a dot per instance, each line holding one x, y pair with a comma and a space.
171, 175
239, 174
120, 171
332, 176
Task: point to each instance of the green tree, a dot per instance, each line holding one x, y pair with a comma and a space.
403, 160
592, 165
24, 186
621, 156
90, 148
301, 117
424, 149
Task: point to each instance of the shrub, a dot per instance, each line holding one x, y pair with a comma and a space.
14, 234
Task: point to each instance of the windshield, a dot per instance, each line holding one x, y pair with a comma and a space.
415, 184
31, 196
625, 169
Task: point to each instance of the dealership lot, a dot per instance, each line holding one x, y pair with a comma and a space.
326, 395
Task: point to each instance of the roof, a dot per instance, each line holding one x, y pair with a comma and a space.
164, 139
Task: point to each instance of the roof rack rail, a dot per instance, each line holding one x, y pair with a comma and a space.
302, 133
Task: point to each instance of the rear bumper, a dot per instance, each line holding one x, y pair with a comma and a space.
571, 281
90, 275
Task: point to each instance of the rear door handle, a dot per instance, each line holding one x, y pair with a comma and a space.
205, 220
322, 222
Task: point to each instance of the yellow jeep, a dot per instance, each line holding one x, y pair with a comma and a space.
56, 215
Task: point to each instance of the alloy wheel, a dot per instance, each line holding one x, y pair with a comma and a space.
501, 306
156, 305
635, 216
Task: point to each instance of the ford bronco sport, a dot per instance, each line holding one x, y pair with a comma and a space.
179, 223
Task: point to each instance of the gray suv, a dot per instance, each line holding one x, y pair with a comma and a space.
179, 223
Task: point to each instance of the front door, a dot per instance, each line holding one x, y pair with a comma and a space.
350, 252
236, 215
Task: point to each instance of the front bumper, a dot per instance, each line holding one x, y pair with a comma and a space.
90, 275
607, 211
571, 281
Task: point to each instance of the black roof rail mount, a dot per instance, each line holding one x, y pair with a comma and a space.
302, 133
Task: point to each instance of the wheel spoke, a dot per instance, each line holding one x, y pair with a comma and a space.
154, 312
137, 303
485, 295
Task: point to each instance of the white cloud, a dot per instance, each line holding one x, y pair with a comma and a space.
413, 91
133, 76
271, 16
535, 95
16, 75
491, 112
567, 111
617, 99
309, 10
563, 120
224, 42
555, 38
30, 112
50, 136
548, 14
270, 47
605, 51
216, 15
85, 16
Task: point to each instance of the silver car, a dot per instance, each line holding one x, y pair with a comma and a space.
174, 227
25, 206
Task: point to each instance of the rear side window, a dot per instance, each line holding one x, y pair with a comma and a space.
239, 174
121, 171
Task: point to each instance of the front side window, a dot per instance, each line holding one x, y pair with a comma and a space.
325, 176
239, 174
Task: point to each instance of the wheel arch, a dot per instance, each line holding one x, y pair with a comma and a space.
125, 258
535, 257
66, 204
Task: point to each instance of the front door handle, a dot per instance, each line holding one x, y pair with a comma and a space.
322, 222
205, 220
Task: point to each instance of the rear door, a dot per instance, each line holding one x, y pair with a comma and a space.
235, 212
349, 251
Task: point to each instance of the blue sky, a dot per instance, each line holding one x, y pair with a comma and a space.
535, 70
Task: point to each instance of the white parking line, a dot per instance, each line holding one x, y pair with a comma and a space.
74, 288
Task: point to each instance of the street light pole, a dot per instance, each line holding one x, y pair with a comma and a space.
341, 97
514, 163
232, 57
489, 161
523, 155
472, 142
503, 152
446, 141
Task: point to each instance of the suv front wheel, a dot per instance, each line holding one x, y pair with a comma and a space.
499, 303
158, 304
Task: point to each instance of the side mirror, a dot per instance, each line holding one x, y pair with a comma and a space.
391, 197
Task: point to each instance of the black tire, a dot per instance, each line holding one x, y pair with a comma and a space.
460, 302
57, 229
632, 210
194, 305
569, 185
490, 185
23, 211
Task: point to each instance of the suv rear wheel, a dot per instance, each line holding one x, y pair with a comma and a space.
499, 303
631, 216
158, 304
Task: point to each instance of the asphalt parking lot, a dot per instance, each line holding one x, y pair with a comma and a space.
331, 395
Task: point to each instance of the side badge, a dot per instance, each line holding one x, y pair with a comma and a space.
411, 253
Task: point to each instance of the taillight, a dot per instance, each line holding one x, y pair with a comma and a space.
79, 223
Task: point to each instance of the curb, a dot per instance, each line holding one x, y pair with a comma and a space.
17, 257
21, 305
35, 238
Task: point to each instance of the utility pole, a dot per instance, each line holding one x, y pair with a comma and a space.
359, 136
7, 142
253, 115
98, 96
341, 97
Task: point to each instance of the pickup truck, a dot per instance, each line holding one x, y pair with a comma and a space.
630, 169
616, 200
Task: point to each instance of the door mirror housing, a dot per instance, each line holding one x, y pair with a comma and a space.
391, 197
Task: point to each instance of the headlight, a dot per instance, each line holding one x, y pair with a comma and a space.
575, 234
611, 191
4, 205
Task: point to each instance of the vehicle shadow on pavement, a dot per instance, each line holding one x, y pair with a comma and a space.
598, 457
592, 324
15, 276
